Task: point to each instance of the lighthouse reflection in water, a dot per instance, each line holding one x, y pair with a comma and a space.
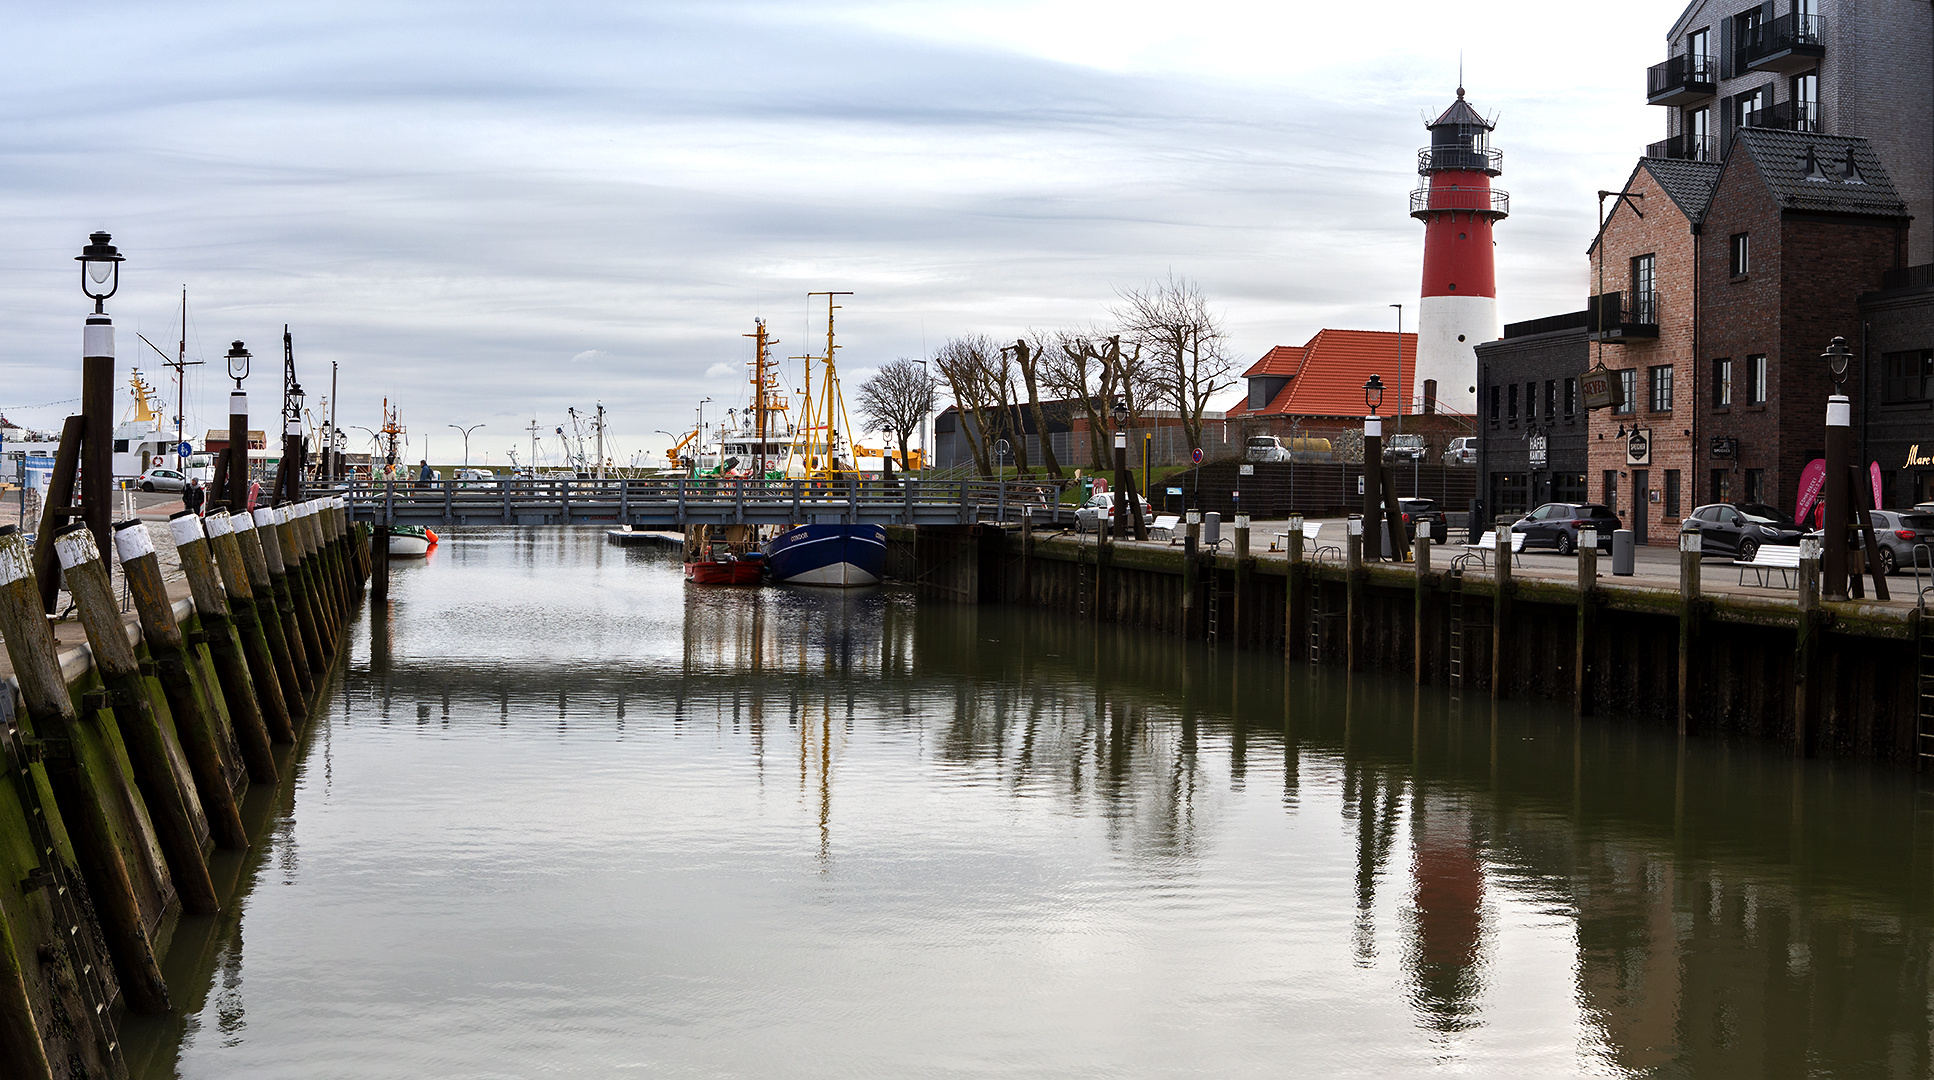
571, 814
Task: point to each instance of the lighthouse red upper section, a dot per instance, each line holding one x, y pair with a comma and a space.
1459, 205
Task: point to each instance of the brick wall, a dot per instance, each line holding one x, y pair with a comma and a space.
1538, 358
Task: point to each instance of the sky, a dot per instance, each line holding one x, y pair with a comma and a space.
490, 213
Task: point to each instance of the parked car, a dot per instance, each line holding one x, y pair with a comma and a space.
476, 477
1405, 448
1265, 449
1897, 534
1740, 529
160, 479
1100, 508
1556, 525
1462, 451
1422, 511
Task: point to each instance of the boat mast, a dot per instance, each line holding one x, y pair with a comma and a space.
829, 388
758, 337
181, 364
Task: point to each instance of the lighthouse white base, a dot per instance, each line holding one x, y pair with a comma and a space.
1449, 329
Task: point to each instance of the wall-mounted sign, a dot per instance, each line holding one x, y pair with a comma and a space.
1175, 491
1601, 388
1537, 446
1359, 485
1724, 446
1246, 470
1638, 447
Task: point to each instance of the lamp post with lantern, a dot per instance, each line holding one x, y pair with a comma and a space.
237, 482
1833, 575
1373, 470
100, 279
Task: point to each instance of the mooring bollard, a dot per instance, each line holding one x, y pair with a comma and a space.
200, 732
1353, 596
294, 678
1806, 648
248, 726
1690, 545
110, 886
175, 815
248, 625
1501, 611
1585, 641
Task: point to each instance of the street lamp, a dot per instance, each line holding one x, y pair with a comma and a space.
237, 486
100, 278
1373, 471
100, 269
1833, 576
1124, 489
466, 439
1373, 393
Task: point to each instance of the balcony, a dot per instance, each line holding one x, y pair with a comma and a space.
1785, 116
1686, 148
1681, 80
1789, 43
1619, 318
1469, 159
1448, 197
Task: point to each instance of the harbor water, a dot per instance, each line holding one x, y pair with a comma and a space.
569, 815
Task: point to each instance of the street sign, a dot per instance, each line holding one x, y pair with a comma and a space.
1359, 485
1195, 455
1537, 446
1246, 470
184, 449
1175, 491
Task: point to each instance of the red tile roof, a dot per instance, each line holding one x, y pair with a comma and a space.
1327, 374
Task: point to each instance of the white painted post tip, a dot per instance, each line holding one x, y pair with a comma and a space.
265, 517
132, 541
217, 524
186, 529
16, 559
76, 548
1810, 548
1691, 542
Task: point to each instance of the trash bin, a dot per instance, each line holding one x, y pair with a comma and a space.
1624, 552
1211, 528
1087, 488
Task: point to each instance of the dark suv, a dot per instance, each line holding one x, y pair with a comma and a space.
1417, 511
1740, 528
1556, 525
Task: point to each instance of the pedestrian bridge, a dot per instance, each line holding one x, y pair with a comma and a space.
676, 503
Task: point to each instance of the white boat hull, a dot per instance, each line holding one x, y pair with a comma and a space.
408, 547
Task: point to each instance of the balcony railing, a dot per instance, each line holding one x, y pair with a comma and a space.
1908, 277
1619, 317
1444, 158
1785, 116
1425, 201
1681, 80
1788, 43
1686, 148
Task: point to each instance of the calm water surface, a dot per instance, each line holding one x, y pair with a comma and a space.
570, 816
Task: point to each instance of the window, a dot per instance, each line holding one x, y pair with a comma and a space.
1699, 52
1698, 131
1722, 486
1610, 489
1530, 402
1907, 376
1496, 396
1755, 486
1645, 306
1512, 415
1568, 487
1806, 102
1551, 399
1748, 106
1571, 400
1510, 492
1660, 380
1756, 380
1740, 261
1722, 383
1628, 392
1746, 37
1672, 493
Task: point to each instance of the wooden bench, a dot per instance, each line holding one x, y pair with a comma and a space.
1480, 552
1770, 559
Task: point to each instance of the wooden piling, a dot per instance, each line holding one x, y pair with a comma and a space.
295, 582
1191, 576
295, 678
1353, 622
1420, 614
1585, 641
158, 767
322, 599
110, 886
1690, 550
224, 647
200, 732
379, 561
1806, 649
307, 660
1296, 585
57, 508
1501, 637
1245, 569
248, 625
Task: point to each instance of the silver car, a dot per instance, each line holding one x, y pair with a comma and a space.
160, 479
1897, 534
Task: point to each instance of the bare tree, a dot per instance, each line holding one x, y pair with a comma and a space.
970, 365
1027, 358
1185, 343
898, 398
1093, 371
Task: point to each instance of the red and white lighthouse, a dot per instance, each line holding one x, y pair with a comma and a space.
1458, 208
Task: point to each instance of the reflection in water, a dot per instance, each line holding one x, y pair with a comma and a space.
1002, 841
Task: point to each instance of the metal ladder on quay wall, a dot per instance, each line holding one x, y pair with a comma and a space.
1460, 626
1212, 631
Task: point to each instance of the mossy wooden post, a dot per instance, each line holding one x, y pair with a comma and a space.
296, 575
57, 508
307, 663
1420, 615
1690, 548
1501, 636
379, 559
1244, 575
1353, 628
294, 678
337, 537
1191, 576
1295, 592
1585, 641
1027, 551
22, 1054
1806, 648
110, 886
322, 599
158, 770
248, 625
224, 647
200, 733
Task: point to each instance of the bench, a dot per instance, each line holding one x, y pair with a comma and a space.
1163, 527
1781, 559
1480, 552
1311, 549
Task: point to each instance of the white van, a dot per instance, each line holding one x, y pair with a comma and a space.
1462, 451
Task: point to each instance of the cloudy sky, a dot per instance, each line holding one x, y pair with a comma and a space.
494, 212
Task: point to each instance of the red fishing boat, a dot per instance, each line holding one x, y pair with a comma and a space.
719, 565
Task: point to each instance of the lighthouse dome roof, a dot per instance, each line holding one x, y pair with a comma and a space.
1460, 114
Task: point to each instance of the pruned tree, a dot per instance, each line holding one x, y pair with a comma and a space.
1027, 358
898, 398
1185, 345
970, 366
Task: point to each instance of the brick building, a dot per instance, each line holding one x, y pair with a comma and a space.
1642, 325
1894, 420
1836, 67
1534, 445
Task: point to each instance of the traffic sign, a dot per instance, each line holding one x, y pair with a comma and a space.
1195, 455
184, 449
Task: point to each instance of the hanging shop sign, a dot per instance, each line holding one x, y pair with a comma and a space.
1638, 447
1723, 446
1601, 389
1537, 447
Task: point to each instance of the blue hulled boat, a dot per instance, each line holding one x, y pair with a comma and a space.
837, 555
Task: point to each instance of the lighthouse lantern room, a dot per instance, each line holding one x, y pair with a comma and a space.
1458, 207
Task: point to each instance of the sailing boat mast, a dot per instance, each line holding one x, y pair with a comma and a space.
829, 400
181, 364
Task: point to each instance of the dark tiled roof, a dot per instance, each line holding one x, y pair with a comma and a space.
1783, 158
1461, 112
1689, 183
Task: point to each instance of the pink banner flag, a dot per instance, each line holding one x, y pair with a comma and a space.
1873, 471
1812, 479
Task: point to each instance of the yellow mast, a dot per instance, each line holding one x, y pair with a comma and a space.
821, 418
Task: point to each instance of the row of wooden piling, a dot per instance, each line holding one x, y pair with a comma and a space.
139, 764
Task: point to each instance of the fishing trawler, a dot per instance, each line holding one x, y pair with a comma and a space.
835, 553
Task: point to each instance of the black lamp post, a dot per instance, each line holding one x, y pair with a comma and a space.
289, 476
1124, 489
1833, 575
238, 362
1373, 471
100, 279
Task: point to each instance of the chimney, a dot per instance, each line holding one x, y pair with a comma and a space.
1430, 396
